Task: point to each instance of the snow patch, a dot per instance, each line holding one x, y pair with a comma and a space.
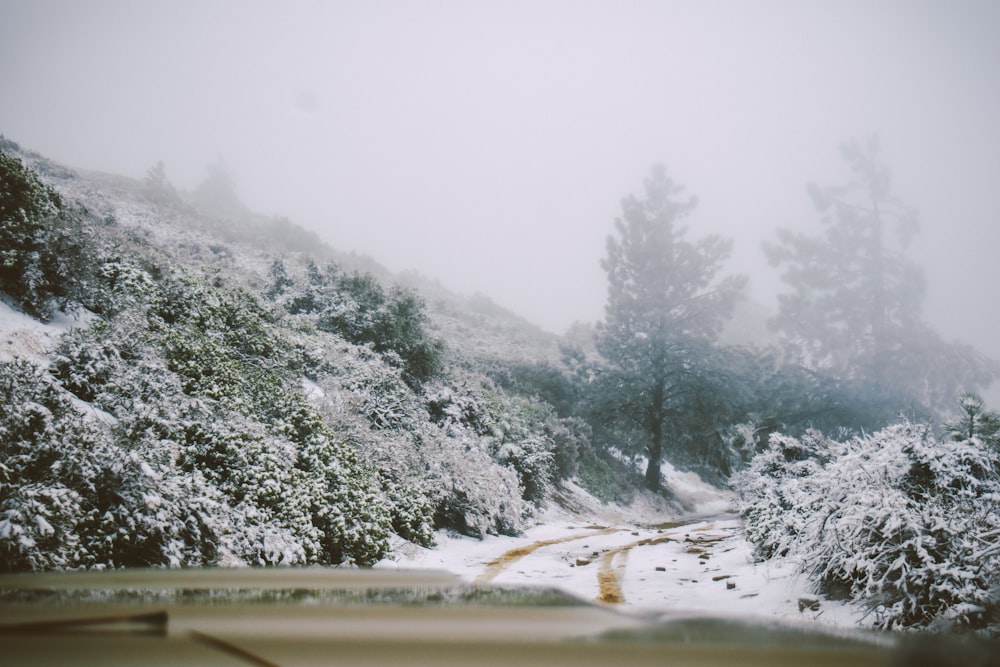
312, 391
692, 491
24, 337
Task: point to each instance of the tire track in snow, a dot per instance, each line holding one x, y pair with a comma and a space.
498, 565
608, 582
608, 578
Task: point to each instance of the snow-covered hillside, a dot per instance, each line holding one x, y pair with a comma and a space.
187, 383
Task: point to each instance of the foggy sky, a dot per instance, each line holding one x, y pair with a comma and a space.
488, 144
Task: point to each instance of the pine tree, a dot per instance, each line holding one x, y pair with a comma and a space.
854, 290
854, 310
976, 421
664, 310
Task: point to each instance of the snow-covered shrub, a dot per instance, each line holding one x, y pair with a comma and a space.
39, 512
141, 516
38, 527
352, 517
455, 410
86, 359
73, 496
572, 439
374, 388
776, 491
520, 432
433, 473
45, 256
123, 284
522, 439
474, 494
209, 390
900, 522
411, 507
399, 467
356, 307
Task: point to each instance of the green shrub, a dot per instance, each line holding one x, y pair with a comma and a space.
45, 259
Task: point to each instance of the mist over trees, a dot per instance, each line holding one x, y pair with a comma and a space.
854, 309
226, 401
852, 353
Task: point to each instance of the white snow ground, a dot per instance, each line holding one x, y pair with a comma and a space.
24, 337
639, 561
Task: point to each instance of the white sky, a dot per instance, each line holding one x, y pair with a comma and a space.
488, 144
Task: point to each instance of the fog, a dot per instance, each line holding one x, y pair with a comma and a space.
487, 145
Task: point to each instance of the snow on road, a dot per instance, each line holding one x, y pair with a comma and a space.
635, 562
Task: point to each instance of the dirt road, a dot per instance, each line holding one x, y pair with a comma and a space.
602, 554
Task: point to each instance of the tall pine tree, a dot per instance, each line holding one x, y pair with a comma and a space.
665, 308
854, 309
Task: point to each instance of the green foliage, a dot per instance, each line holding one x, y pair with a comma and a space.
355, 307
608, 479
223, 402
541, 380
72, 496
183, 423
765, 394
522, 432
44, 256
976, 421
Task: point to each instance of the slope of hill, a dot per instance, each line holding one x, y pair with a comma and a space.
232, 391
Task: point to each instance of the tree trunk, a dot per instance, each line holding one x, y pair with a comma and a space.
655, 449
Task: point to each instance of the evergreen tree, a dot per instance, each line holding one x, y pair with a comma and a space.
665, 308
854, 311
158, 187
976, 421
854, 290
217, 193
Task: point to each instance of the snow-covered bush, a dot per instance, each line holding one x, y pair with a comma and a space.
182, 425
520, 432
900, 522
776, 491
141, 515
87, 359
72, 496
356, 307
123, 283
523, 440
208, 389
435, 470
45, 258
474, 494
39, 511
